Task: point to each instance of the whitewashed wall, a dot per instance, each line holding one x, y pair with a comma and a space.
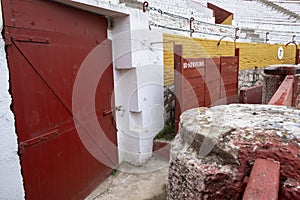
138, 75
11, 183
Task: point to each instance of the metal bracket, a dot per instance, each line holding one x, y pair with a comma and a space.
22, 38
36, 140
145, 5
267, 36
107, 112
192, 30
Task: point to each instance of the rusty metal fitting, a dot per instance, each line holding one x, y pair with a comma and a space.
145, 5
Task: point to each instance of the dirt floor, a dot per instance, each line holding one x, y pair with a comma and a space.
146, 182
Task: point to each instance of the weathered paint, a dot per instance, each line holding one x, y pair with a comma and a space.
216, 148
284, 94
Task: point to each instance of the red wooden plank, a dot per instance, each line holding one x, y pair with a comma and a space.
178, 52
230, 87
212, 93
47, 21
192, 104
230, 93
284, 95
252, 95
193, 82
231, 99
193, 72
212, 64
229, 70
212, 80
297, 56
193, 92
264, 181
212, 76
213, 61
193, 100
229, 59
296, 91
213, 84
211, 99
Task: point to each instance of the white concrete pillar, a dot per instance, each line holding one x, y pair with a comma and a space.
138, 75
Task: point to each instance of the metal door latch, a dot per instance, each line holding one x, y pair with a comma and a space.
117, 108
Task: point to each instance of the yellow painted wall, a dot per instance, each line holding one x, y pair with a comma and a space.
251, 54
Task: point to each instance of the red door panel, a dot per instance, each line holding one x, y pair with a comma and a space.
46, 44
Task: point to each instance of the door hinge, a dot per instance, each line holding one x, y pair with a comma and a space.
23, 38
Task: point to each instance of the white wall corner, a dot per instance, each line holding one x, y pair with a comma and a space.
138, 70
11, 181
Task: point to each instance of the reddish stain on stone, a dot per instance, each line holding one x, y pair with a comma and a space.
272, 146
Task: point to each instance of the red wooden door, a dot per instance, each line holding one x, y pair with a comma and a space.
46, 44
204, 81
229, 75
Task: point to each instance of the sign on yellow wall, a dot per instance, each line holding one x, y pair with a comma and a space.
251, 54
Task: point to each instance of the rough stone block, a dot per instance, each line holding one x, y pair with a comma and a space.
215, 150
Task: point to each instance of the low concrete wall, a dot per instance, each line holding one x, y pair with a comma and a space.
273, 76
284, 94
270, 86
215, 149
251, 77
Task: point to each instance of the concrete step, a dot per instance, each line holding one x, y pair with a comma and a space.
280, 8
257, 40
132, 4
252, 35
247, 30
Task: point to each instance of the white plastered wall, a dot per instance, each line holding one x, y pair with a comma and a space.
11, 182
138, 71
